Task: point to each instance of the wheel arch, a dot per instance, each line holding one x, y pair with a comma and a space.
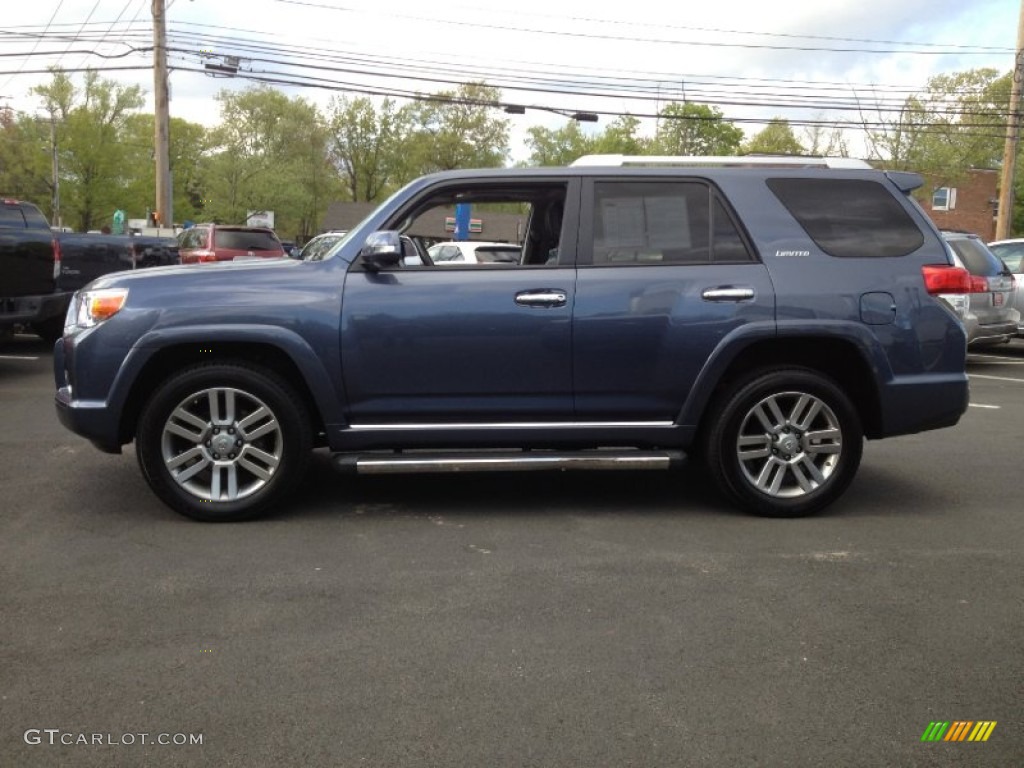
176, 357
842, 360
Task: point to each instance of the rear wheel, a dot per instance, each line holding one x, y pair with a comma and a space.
786, 443
223, 442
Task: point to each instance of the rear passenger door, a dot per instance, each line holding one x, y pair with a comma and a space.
665, 274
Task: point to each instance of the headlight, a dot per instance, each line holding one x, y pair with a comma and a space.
90, 308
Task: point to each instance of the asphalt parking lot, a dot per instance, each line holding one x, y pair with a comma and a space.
513, 620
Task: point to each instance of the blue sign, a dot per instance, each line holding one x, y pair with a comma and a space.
462, 215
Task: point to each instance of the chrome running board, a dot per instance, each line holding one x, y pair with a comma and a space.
504, 461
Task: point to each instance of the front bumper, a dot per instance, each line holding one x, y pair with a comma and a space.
91, 419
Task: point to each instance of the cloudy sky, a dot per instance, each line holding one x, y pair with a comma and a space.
752, 60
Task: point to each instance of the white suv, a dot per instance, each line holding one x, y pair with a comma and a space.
474, 252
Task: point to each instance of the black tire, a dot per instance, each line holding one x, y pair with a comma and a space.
49, 330
239, 440
785, 442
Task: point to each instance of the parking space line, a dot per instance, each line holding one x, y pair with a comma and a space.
18, 357
979, 405
978, 354
994, 378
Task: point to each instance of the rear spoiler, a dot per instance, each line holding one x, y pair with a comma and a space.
905, 181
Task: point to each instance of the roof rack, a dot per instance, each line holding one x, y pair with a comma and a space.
778, 161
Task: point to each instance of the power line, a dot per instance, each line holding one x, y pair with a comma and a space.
787, 95
52, 17
960, 50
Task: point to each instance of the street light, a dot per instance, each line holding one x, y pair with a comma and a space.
580, 117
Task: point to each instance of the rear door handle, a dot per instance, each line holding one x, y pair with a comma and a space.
728, 293
548, 297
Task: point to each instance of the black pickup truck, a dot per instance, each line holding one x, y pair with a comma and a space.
40, 269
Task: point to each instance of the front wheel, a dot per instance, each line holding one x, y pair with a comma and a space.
786, 443
223, 442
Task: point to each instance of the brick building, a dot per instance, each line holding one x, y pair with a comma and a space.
969, 206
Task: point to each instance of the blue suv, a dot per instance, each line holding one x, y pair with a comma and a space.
762, 315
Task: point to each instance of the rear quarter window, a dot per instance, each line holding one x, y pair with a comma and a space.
10, 216
851, 218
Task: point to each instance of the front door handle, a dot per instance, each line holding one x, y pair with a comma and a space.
548, 297
728, 293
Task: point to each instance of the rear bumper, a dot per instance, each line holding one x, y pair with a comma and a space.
26, 310
917, 404
996, 333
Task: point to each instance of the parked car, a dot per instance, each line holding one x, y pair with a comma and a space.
761, 315
987, 310
291, 250
320, 245
1012, 254
463, 252
222, 242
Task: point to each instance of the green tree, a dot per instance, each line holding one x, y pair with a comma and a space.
776, 138
622, 137
825, 142
187, 146
365, 146
25, 166
268, 153
91, 126
695, 129
457, 129
558, 146
956, 123
561, 146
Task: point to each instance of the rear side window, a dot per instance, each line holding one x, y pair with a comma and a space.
246, 240
34, 217
662, 223
849, 217
978, 259
10, 216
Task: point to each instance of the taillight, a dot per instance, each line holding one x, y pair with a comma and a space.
979, 284
56, 258
944, 278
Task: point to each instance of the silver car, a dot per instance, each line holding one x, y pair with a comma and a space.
986, 311
1012, 254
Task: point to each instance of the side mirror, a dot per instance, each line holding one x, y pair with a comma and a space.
381, 250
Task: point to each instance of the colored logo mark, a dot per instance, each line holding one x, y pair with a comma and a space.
959, 730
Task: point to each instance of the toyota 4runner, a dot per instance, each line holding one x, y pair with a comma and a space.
762, 315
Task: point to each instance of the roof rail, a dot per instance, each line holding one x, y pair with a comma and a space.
778, 161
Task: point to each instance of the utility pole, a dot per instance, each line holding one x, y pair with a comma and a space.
1005, 217
55, 197
161, 117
